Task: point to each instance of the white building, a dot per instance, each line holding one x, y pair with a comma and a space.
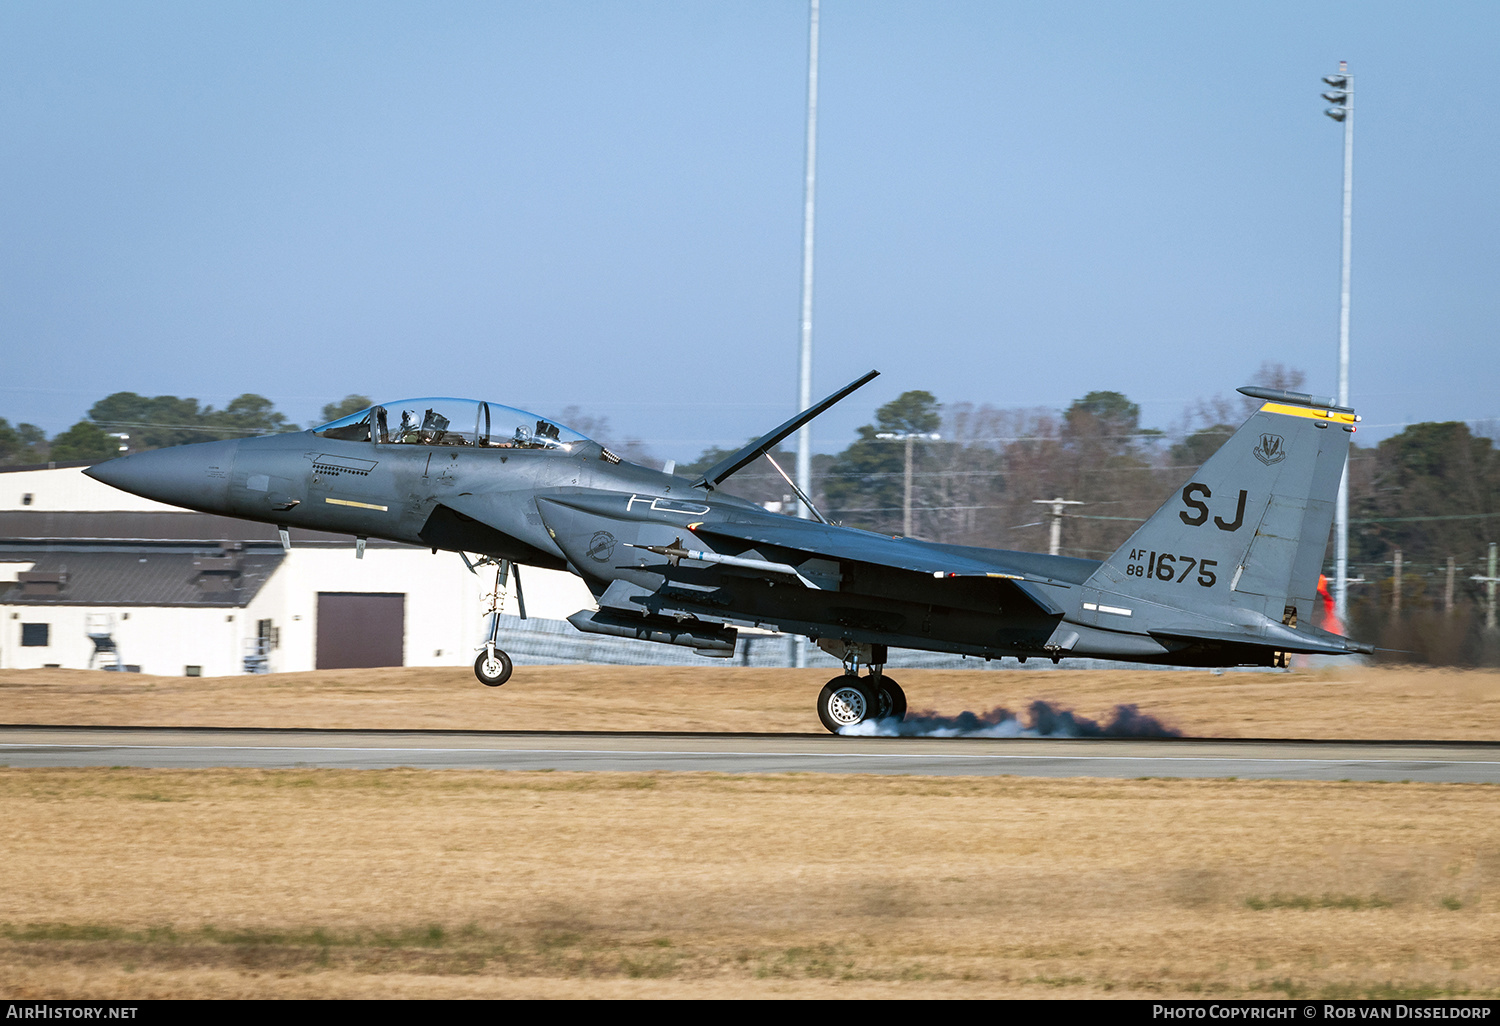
91, 576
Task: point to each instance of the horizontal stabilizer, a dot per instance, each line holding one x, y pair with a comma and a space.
1038, 595
1282, 639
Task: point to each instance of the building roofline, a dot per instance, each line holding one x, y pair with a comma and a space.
146, 527
11, 543
49, 601
50, 465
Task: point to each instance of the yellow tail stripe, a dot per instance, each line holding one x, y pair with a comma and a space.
1310, 413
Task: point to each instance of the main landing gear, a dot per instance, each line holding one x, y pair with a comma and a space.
492, 666
850, 699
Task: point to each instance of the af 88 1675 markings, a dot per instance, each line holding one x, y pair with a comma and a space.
1165, 567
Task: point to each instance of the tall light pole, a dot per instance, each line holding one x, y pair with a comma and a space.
809, 192
804, 385
910, 438
1342, 98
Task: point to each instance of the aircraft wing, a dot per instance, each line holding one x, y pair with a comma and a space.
833, 542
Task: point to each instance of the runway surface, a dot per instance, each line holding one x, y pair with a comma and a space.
189, 747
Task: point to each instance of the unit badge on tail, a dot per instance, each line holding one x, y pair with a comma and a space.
1270, 449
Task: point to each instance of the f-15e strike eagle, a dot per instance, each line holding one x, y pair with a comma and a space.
1225, 573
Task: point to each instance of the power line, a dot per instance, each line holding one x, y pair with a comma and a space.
1401, 520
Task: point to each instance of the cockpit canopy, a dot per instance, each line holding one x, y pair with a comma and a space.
459, 422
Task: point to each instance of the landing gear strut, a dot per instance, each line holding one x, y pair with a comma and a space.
492, 666
851, 699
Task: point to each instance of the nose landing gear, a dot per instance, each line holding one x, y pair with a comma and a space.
492, 666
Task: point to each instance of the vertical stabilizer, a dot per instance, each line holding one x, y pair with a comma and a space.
1248, 532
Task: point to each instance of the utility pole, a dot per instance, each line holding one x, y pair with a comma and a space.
1489, 583
1396, 588
906, 492
1054, 547
1342, 98
909, 437
804, 386
1448, 593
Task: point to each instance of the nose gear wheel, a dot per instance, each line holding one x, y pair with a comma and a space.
493, 670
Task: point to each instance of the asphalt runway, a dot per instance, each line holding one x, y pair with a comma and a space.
202, 747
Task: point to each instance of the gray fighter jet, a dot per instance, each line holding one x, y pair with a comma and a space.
1223, 574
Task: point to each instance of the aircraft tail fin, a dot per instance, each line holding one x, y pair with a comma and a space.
1247, 534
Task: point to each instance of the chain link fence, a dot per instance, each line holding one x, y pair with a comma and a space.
537, 642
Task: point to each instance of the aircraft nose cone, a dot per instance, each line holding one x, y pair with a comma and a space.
191, 476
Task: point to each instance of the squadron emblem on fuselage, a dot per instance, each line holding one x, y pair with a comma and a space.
601, 546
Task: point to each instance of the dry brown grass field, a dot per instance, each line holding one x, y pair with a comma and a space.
241, 883
245, 883
1343, 703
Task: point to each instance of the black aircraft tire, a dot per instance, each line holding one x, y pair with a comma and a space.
891, 701
845, 701
492, 675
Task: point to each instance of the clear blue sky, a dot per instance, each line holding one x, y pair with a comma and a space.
599, 204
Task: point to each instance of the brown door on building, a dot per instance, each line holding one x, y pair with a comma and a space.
359, 628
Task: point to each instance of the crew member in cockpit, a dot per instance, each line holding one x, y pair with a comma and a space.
408, 428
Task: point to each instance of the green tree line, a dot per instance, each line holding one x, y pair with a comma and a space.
127, 422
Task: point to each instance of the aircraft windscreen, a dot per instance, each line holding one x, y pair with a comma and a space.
457, 422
